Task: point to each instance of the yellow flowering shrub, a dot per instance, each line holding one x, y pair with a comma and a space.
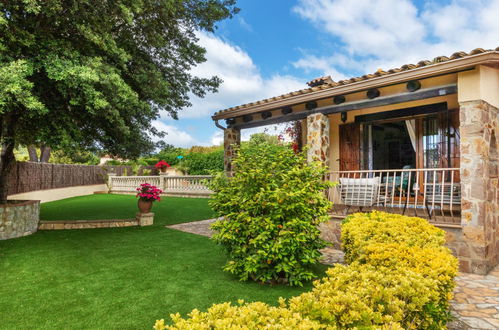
245, 316
364, 296
399, 276
361, 229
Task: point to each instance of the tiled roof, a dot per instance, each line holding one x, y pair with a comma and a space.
326, 82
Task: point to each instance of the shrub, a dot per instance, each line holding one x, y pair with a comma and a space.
204, 163
364, 296
399, 276
272, 207
362, 229
246, 316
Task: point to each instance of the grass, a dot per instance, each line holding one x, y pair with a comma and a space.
117, 277
171, 210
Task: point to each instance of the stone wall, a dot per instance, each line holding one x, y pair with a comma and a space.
318, 137
479, 124
19, 218
232, 139
86, 224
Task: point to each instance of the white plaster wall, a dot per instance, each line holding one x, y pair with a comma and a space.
60, 193
479, 84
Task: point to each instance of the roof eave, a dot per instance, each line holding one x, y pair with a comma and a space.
489, 58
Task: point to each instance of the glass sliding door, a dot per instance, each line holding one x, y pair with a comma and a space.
432, 150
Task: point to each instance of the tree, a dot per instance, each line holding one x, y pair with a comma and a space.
93, 74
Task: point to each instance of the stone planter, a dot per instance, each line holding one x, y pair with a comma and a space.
18, 218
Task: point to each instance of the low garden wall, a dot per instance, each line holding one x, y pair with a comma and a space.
141, 219
86, 224
19, 218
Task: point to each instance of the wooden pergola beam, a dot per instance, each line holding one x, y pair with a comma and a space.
356, 105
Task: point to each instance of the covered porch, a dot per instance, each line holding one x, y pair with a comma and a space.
419, 140
434, 194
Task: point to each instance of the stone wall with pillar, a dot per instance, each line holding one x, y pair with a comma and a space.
479, 124
318, 137
232, 139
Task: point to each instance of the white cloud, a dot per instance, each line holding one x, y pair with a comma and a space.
242, 81
175, 136
385, 34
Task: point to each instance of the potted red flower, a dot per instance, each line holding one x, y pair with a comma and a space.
147, 194
162, 166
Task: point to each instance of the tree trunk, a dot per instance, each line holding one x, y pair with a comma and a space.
45, 154
7, 161
33, 157
7, 158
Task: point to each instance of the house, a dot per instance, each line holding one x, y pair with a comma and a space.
417, 140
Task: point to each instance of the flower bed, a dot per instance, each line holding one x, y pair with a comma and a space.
399, 276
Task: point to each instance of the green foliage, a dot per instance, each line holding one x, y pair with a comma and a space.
255, 315
74, 157
203, 163
93, 75
400, 276
272, 207
264, 138
399, 272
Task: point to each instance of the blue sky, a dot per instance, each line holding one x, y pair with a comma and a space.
275, 46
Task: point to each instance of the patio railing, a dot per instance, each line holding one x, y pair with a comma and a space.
171, 185
434, 194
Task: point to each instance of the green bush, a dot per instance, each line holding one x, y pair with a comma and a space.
204, 163
399, 276
272, 207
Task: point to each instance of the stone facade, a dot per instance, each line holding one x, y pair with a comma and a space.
232, 139
479, 127
86, 224
19, 218
318, 137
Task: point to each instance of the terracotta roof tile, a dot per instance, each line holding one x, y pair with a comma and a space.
326, 82
320, 81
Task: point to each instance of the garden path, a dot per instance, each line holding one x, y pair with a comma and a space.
476, 298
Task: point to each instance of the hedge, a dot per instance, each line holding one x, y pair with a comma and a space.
399, 276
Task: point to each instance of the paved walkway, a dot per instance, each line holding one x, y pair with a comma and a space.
476, 300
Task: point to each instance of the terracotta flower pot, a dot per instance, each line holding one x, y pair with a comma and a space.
144, 206
163, 169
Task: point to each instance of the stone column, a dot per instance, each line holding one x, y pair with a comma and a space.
318, 138
479, 203
232, 139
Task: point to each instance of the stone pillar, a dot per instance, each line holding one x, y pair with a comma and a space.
479, 203
232, 139
318, 138
144, 219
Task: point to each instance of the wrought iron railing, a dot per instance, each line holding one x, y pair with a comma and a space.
431, 193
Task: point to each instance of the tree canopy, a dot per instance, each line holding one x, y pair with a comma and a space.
94, 73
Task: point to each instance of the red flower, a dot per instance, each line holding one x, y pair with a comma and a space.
148, 192
162, 164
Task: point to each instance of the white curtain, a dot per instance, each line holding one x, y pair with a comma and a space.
411, 129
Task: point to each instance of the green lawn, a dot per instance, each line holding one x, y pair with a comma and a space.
118, 277
169, 211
